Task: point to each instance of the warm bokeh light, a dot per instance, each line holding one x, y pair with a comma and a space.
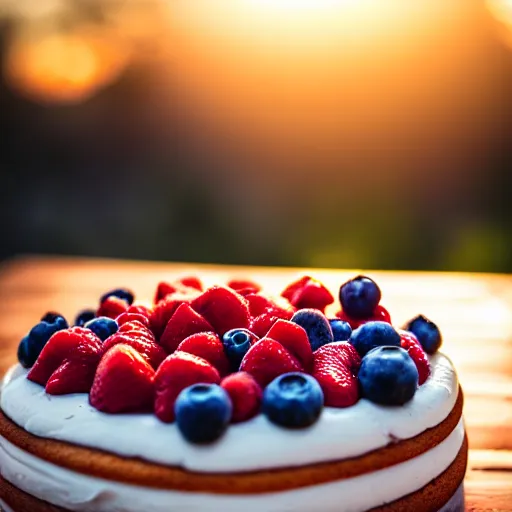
502, 11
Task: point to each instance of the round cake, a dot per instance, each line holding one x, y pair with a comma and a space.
229, 399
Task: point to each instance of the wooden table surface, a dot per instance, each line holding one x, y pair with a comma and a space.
474, 312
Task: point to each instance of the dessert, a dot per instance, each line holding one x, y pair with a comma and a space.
226, 398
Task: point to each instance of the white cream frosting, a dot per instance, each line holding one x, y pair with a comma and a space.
78, 492
253, 445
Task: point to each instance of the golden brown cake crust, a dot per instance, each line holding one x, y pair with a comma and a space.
136, 471
429, 498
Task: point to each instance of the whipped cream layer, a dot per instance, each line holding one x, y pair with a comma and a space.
254, 445
78, 492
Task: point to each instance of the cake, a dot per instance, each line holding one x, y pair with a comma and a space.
230, 399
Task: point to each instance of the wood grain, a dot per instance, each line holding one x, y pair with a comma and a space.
474, 312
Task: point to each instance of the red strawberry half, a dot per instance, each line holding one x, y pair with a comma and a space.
308, 293
245, 394
177, 372
112, 307
244, 286
335, 368
68, 362
295, 339
123, 382
410, 343
208, 346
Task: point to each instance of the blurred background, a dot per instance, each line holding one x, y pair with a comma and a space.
333, 133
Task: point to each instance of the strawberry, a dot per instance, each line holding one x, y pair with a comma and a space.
245, 394
260, 304
380, 314
68, 361
139, 338
183, 323
162, 290
124, 382
112, 307
223, 308
410, 343
124, 318
139, 309
177, 372
295, 339
267, 359
244, 286
208, 346
262, 323
191, 282
335, 368
308, 293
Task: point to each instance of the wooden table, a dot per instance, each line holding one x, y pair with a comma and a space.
474, 312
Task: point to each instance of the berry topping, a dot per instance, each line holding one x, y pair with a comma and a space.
261, 324
415, 350
139, 309
208, 346
183, 323
123, 382
162, 290
245, 394
267, 359
84, 316
223, 308
293, 400
191, 282
33, 343
374, 334
426, 332
103, 327
335, 368
359, 297
388, 376
124, 318
380, 314
120, 293
112, 307
341, 330
177, 372
316, 326
68, 361
203, 412
141, 339
277, 306
308, 293
295, 339
236, 343
244, 286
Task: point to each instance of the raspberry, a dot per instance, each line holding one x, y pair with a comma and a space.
112, 307
380, 314
183, 323
245, 394
124, 318
223, 308
68, 361
410, 343
308, 293
335, 368
124, 382
208, 346
177, 372
295, 339
267, 359
244, 286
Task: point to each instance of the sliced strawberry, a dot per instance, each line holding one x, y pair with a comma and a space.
208, 346
335, 368
380, 314
191, 282
308, 293
124, 318
267, 359
112, 307
410, 343
139, 309
124, 382
245, 394
260, 304
244, 286
295, 339
183, 323
75, 350
223, 308
262, 323
177, 372
162, 290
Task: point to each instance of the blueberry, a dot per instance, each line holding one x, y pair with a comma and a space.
55, 318
236, 343
102, 326
293, 400
120, 293
374, 334
427, 332
26, 356
203, 412
341, 330
359, 297
85, 316
316, 326
388, 376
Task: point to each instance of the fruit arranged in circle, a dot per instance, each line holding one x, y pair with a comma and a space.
245, 394
341, 330
236, 343
426, 332
359, 297
374, 334
102, 326
316, 325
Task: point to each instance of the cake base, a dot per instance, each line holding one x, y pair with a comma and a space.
443, 494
